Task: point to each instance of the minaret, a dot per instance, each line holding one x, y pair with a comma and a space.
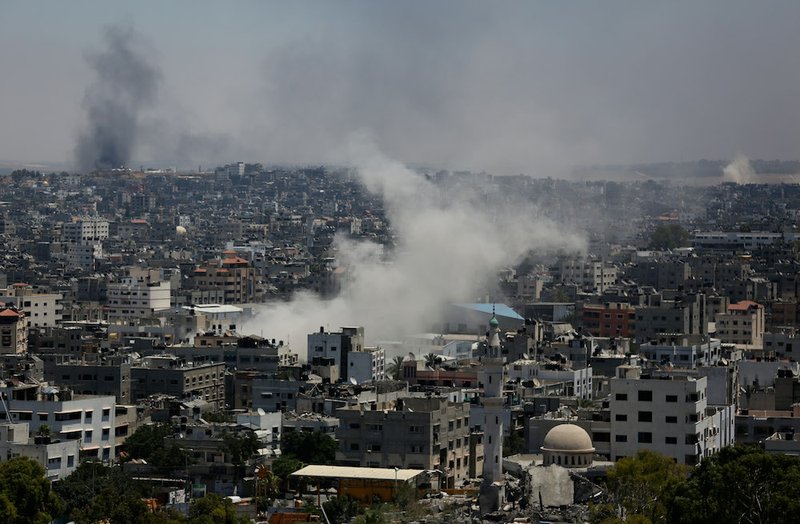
492, 492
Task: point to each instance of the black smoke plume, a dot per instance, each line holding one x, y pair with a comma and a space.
125, 84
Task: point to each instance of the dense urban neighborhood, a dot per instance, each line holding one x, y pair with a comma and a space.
146, 356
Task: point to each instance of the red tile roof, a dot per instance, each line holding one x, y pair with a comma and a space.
744, 305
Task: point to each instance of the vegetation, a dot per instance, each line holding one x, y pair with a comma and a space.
395, 368
309, 448
25, 494
213, 509
154, 443
668, 236
240, 446
739, 484
433, 361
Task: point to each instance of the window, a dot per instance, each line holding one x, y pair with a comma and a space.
620, 417
645, 396
645, 416
621, 396
672, 398
354, 446
671, 420
621, 438
645, 437
670, 440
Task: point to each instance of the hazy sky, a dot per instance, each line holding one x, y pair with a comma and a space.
502, 86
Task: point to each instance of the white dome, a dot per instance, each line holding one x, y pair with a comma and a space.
567, 438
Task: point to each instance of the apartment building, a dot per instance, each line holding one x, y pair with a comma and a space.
13, 331
232, 278
666, 413
429, 433
612, 319
85, 230
170, 375
589, 274
88, 419
333, 349
98, 376
134, 298
367, 365
58, 457
743, 324
41, 309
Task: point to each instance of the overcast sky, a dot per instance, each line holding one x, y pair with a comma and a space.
507, 87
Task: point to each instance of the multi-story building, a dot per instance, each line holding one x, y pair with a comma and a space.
170, 375
612, 319
233, 276
743, 324
589, 274
367, 365
41, 309
334, 348
101, 376
578, 380
133, 298
89, 419
683, 351
416, 433
58, 457
85, 230
667, 317
667, 413
13, 331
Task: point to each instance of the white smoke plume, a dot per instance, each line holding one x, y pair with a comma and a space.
739, 171
449, 244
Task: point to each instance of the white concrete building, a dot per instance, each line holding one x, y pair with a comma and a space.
743, 324
589, 274
84, 230
133, 298
59, 458
668, 414
88, 419
329, 352
689, 356
367, 365
581, 379
221, 318
41, 309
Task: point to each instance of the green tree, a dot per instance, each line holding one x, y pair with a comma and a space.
395, 368
25, 494
310, 448
433, 360
213, 509
641, 487
154, 443
668, 236
740, 484
240, 446
95, 492
341, 509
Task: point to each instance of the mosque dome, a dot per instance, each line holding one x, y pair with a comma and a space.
567, 445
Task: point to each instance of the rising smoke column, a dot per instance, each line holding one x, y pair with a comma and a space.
739, 171
125, 84
449, 244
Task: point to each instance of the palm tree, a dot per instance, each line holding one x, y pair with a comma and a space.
395, 367
432, 360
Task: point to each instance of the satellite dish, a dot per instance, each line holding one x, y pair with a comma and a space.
353, 381
261, 412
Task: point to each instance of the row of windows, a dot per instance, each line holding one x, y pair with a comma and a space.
647, 396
